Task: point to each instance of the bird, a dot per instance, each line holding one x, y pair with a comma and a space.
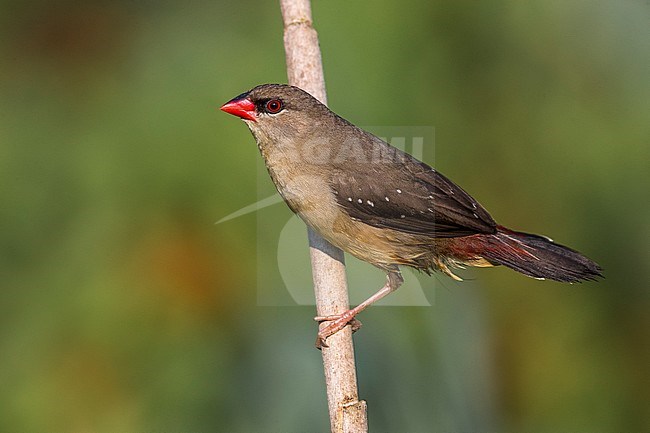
382, 205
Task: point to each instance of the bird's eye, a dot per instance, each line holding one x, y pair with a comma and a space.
274, 106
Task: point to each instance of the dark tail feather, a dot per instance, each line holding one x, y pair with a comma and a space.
538, 257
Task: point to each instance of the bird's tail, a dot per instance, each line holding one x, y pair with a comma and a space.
537, 257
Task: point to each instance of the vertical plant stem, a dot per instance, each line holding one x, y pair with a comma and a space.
305, 70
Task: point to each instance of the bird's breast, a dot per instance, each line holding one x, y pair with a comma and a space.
302, 185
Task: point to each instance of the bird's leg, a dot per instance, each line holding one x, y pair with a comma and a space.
339, 321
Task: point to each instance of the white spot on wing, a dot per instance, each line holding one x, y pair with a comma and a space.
349, 198
359, 201
370, 203
399, 191
402, 216
387, 199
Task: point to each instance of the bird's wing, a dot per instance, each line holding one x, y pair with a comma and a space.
409, 197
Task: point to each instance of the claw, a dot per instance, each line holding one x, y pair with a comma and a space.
320, 342
339, 321
355, 324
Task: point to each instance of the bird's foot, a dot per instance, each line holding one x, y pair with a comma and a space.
338, 322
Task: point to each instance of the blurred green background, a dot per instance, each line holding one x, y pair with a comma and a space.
124, 308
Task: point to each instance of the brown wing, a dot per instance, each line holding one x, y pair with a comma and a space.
410, 197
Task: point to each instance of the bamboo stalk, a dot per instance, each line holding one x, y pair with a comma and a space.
305, 70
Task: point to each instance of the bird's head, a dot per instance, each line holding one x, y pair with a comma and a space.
277, 112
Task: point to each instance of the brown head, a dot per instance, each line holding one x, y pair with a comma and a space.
278, 112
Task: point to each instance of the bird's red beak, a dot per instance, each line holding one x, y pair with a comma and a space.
242, 107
